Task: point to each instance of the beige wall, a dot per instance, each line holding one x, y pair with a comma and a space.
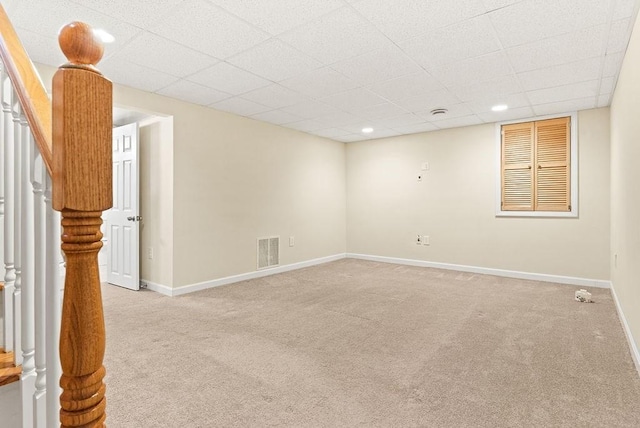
455, 204
625, 195
156, 199
237, 180
234, 180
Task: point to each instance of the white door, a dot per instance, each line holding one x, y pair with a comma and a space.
123, 220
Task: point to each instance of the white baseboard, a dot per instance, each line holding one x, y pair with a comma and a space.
168, 291
583, 282
158, 288
635, 354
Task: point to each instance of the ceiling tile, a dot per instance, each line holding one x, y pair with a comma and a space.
45, 49
533, 20
478, 69
377, 66
406, 86
604, 100
564, 74
208, 29
47, 17
352, 138
417, 128
558, 50
378, 132
141, 13
10, 5
612, 64
624, 9
164, 55
335, 37
276, 117
275, 96
401, 120
240, 106
498, 4
566, 92
458, 122
306, 125
193, 93
320, 82
276, 17
565, 106
312, 109
484, 105
492, 89
380, 111
510, 114
453, 111
607, 85
330, 132
354, 99
414, 17
338, 119
136, 76
467, 39
382, 133
441, 98
274, 60
228, 78
343, 63
619, 35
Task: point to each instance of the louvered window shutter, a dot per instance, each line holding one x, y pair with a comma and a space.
552, 159
517, 167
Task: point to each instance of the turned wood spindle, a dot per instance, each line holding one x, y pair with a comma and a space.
82, 190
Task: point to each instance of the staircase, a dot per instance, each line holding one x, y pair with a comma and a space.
9, 373
55, 182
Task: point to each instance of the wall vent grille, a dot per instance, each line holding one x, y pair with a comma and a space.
268, 252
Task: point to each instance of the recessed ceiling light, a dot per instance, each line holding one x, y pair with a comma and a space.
500, 107
103, 35
367, 130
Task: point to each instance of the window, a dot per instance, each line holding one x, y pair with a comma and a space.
536, 161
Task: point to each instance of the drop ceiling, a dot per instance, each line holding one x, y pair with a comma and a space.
333, 67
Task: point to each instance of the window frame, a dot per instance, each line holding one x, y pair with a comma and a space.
573, 165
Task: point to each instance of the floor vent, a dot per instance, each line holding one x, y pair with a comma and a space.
268, 252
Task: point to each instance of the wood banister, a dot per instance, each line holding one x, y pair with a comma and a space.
28, 86
82, 189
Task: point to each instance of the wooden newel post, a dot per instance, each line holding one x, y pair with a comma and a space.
82, 189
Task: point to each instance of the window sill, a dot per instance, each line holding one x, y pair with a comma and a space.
538, 214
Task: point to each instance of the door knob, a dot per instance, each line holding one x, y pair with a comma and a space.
135, 218
131, 218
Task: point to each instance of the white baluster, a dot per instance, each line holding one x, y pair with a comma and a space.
17, 221
54, 308
38, 180
8, 159
4, 294
28, 378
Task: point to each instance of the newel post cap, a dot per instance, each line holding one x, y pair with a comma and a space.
80, 45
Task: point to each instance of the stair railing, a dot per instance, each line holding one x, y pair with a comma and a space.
56, 155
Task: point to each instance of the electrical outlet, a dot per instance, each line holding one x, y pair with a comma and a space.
425, 166
150, 253
292, 241
418, 240
425, 240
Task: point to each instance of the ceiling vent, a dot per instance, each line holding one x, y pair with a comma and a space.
438, 111
268, 252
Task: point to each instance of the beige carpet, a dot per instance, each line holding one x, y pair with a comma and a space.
363, 344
